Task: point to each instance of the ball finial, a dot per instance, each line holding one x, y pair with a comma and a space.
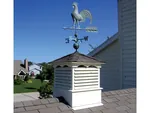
76, 46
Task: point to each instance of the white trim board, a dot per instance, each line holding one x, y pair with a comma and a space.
20, 72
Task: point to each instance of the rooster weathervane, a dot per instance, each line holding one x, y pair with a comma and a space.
77, 18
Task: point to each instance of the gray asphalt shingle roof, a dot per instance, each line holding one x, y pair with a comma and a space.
119, 101
18, 66
77, 57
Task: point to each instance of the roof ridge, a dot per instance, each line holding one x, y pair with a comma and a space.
64, 56
104, 44
92, 58
77, 57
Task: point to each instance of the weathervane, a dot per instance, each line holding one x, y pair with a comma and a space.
77, 18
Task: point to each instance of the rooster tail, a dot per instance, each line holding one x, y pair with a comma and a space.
86, 14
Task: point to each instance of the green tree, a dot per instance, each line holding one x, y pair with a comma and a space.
26, 78
42, 77
47, 73
30, 63
18, 81
45, 91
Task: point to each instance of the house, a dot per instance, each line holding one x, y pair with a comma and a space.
34, 69
20, 69
119, 51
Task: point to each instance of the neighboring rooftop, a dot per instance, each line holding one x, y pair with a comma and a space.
19, 66
119, 101
77, 57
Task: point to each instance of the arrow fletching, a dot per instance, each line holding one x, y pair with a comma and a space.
91, 29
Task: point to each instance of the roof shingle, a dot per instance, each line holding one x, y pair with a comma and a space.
18, 66
77, 57
117, 105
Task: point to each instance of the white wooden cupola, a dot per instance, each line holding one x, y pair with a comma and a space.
77, 79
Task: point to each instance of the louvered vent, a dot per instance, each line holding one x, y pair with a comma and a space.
63, 78
85, 78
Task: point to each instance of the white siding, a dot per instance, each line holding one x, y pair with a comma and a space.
35, 72
35, 68
110, 78
127, 31
120, 68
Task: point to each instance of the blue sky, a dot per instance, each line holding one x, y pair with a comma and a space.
38, 33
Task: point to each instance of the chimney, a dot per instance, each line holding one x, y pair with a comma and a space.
26, 64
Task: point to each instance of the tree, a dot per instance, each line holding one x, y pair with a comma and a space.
26, 78
42, 76
30, 63
47, 73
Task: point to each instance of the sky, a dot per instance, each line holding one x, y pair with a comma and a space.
38, 33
